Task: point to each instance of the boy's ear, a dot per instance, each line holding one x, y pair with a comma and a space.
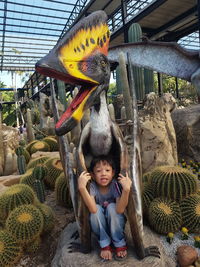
92, 175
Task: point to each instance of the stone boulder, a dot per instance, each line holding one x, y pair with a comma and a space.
187, 127
158, 138
64, 258
186, 255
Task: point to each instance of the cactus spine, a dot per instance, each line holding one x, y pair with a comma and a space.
173, 182
10, 250
164, 215
25, 223
135, 35
190, 209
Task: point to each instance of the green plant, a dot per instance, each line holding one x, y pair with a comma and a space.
135, 35
55, 168
27, 178
52, 142
10, 250
62, 191
15, 196
164, 215
39, 146
34, 162
22, 142
21, 164
25, 223
147, 197
173, 182
190, 209
39, 173
28, 147
48, 216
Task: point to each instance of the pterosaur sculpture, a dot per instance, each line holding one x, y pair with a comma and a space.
82, 58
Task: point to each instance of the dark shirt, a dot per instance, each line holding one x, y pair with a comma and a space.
105, 199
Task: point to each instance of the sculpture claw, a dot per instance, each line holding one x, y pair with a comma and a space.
75, 235
152, 251
77, 247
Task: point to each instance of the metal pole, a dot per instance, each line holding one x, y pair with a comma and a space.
124, 15
160, 85
177, 92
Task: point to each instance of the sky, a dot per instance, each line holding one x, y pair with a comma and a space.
6, 77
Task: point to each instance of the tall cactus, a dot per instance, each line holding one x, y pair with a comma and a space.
135, 35
21, 161
148, 81
29, 126
39, 173
2, 153
62, 93
119, 84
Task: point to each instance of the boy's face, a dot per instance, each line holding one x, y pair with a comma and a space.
103, 173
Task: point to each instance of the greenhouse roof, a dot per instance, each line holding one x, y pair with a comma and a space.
30, 29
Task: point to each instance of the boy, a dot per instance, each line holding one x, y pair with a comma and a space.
106, 205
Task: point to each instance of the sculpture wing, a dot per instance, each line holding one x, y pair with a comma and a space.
168, 58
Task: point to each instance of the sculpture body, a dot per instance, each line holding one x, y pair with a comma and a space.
81, 58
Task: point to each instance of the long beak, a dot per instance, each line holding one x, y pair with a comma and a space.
80, 59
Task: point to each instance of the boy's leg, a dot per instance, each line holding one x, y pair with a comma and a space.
100, 228
116, 224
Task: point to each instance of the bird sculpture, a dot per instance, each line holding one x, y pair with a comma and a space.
82, 58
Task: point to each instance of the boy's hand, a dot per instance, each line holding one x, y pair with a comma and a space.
125, 182
83, 179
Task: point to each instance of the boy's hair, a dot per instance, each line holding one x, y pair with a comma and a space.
102, 158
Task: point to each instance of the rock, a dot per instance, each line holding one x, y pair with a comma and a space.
187, 124
186, 255
158, 138
54, 154
64, 258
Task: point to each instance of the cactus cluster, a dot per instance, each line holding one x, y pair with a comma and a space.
25, 223
173, 182
55, 168
190, 209
62, 191
164, 215
33, 246
21, 161
10, 250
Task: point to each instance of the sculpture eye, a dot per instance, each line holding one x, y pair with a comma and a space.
103, 63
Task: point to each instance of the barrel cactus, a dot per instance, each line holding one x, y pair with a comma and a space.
28, 147
173, 182
10, 250
36, 161
62, 191
15, 196
25, 223
147, 197
52, 142
48, 217
190, 209
27, 178
39, 146
164, 215
55, 168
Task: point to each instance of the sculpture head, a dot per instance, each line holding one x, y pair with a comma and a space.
80, 58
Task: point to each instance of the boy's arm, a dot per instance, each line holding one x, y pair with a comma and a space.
122, 202
87, 198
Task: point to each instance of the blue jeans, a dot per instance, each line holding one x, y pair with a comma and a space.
108, 225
